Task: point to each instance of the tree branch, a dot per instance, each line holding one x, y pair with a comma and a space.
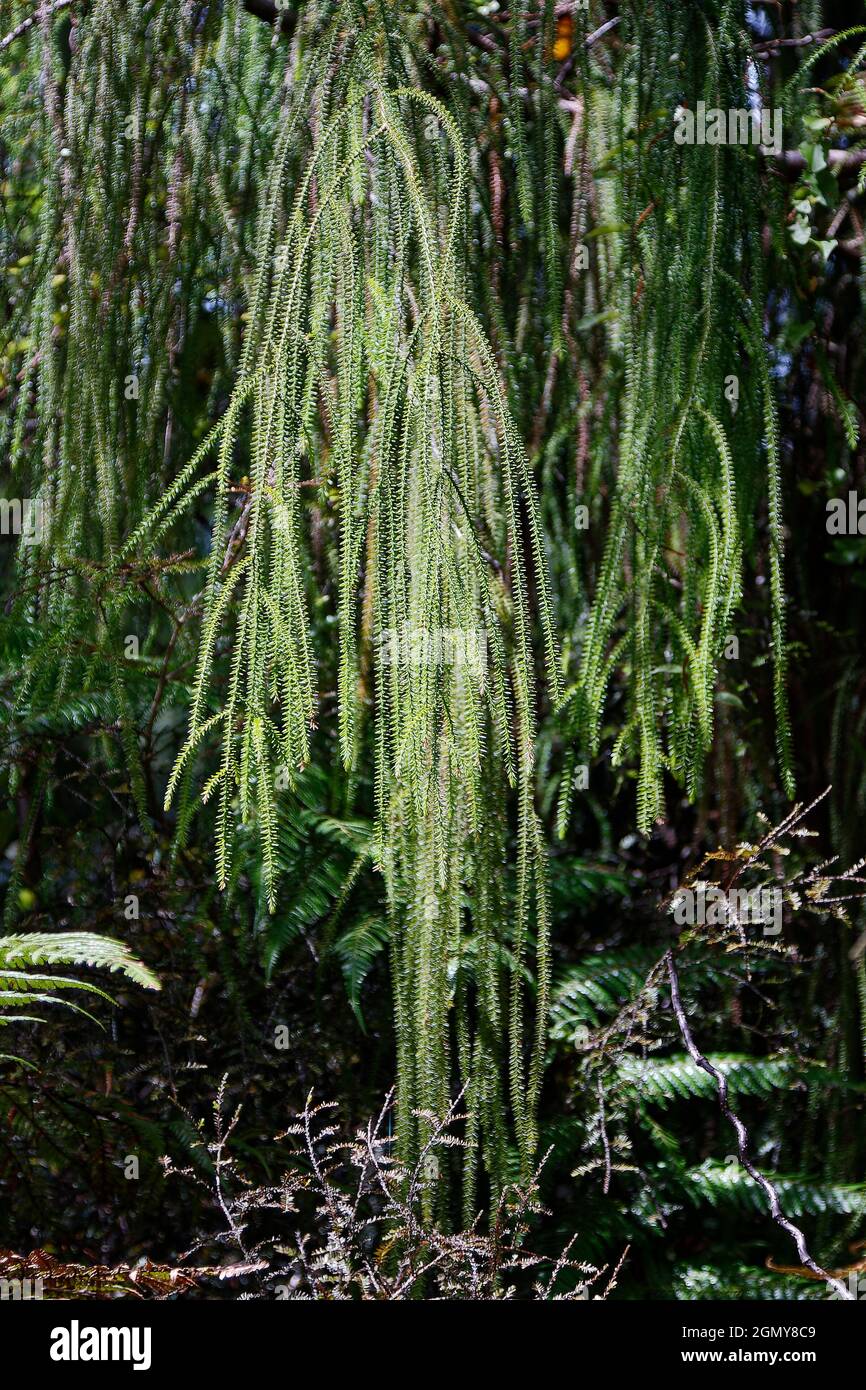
29, 22
769, 49
743, 1138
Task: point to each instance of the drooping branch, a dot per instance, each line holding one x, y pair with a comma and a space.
743, 1137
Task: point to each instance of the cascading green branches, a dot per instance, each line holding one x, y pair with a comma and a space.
698, 455
114, 153
369, 403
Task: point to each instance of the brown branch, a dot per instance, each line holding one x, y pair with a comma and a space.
743, 1137
29, 22
769, 48
603, 29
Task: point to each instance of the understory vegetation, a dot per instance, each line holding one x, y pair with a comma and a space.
432, 686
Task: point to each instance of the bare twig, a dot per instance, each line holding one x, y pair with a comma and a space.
743, 1137
29, 22
605, 1141
601, 31
769, 48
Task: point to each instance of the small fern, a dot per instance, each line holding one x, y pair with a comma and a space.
22, 987
665, 1081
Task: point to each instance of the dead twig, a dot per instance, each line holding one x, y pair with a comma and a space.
743, 1137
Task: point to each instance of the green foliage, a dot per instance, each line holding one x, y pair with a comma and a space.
682, 279
662, 1082
365, 367
317, 339
22, 987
